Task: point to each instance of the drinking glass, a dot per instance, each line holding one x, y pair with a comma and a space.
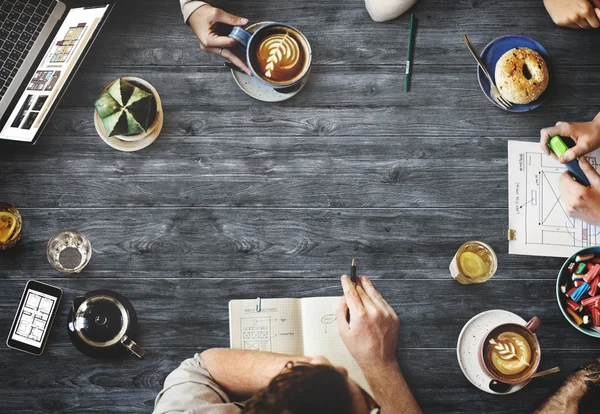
474, 262
10, 226
69, 251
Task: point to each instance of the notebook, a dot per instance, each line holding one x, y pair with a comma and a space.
537, 219
305, 326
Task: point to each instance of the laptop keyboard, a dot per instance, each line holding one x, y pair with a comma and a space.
20, 24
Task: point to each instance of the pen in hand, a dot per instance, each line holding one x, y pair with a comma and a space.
353, 280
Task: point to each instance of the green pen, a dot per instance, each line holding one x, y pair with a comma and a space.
409, 53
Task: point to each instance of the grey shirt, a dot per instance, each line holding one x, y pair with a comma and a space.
189, 6
190, 389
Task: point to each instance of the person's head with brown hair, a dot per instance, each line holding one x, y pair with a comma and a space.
316, 388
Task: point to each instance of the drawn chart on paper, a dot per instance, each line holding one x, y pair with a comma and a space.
536, 211
256, 333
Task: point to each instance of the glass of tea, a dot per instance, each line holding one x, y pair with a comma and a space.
474, 262
69, 251
10, 226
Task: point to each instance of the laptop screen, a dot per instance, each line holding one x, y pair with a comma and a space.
61, 58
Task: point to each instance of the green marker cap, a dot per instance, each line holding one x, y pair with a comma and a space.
557, 145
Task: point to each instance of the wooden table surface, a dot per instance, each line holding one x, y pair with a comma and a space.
239, 198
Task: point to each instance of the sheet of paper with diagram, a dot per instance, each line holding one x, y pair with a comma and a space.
292, 326
537, 220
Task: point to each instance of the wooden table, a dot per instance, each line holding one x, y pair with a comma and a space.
239, 198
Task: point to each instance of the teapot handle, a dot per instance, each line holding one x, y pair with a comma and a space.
132, 346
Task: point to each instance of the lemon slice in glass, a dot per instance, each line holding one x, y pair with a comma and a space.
472, 265
8, 222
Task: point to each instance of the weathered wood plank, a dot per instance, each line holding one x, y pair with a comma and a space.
361, 121
186, 312
131, 385
301, 172
433, 88
310, 243
344, 35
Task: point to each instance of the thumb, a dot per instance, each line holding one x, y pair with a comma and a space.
597, 10
230, 19
589, 171
342, 314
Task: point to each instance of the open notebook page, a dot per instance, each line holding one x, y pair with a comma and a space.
321, 337
276, 328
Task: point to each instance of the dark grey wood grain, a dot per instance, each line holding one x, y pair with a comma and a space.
434, 88
251, 172
180, 242
345, 35
239, 198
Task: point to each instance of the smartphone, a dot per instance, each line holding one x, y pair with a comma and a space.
31, 328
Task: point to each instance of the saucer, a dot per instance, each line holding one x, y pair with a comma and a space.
492, 53
256, 89
468, 346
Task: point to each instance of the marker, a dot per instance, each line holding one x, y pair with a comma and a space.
559, 146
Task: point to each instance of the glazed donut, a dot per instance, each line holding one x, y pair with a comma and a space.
521, 75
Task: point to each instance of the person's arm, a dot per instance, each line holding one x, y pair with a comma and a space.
585, 134
576, 14
566, 399
190, 6
371, 337
242, 373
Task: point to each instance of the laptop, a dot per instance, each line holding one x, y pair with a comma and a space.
42, 44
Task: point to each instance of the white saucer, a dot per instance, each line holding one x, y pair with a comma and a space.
468, 346
257, 89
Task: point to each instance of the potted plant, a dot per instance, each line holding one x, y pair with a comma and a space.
128, 114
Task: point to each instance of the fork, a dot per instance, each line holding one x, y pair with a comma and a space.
500, 100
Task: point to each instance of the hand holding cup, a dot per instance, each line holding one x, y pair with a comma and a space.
204, 21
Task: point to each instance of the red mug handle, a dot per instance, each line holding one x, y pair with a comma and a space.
533, 324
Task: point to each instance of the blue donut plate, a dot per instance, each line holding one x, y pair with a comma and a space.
492, 53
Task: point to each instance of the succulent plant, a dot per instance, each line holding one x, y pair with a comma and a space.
125, 109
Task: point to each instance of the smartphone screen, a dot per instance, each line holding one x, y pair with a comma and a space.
34, 317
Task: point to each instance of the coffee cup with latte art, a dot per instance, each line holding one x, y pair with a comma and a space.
277, 54
511, 353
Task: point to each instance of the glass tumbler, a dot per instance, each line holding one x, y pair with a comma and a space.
69, 251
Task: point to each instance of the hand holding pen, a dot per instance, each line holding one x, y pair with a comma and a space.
372, 334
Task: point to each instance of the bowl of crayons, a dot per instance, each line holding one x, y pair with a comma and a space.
578, 291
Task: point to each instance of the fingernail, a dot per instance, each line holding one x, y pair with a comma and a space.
558, 123
345, 276
244, 20
365, 278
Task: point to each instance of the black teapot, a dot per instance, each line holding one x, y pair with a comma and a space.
103, 323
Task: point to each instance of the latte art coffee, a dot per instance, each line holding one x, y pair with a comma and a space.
281, 55
510, 352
